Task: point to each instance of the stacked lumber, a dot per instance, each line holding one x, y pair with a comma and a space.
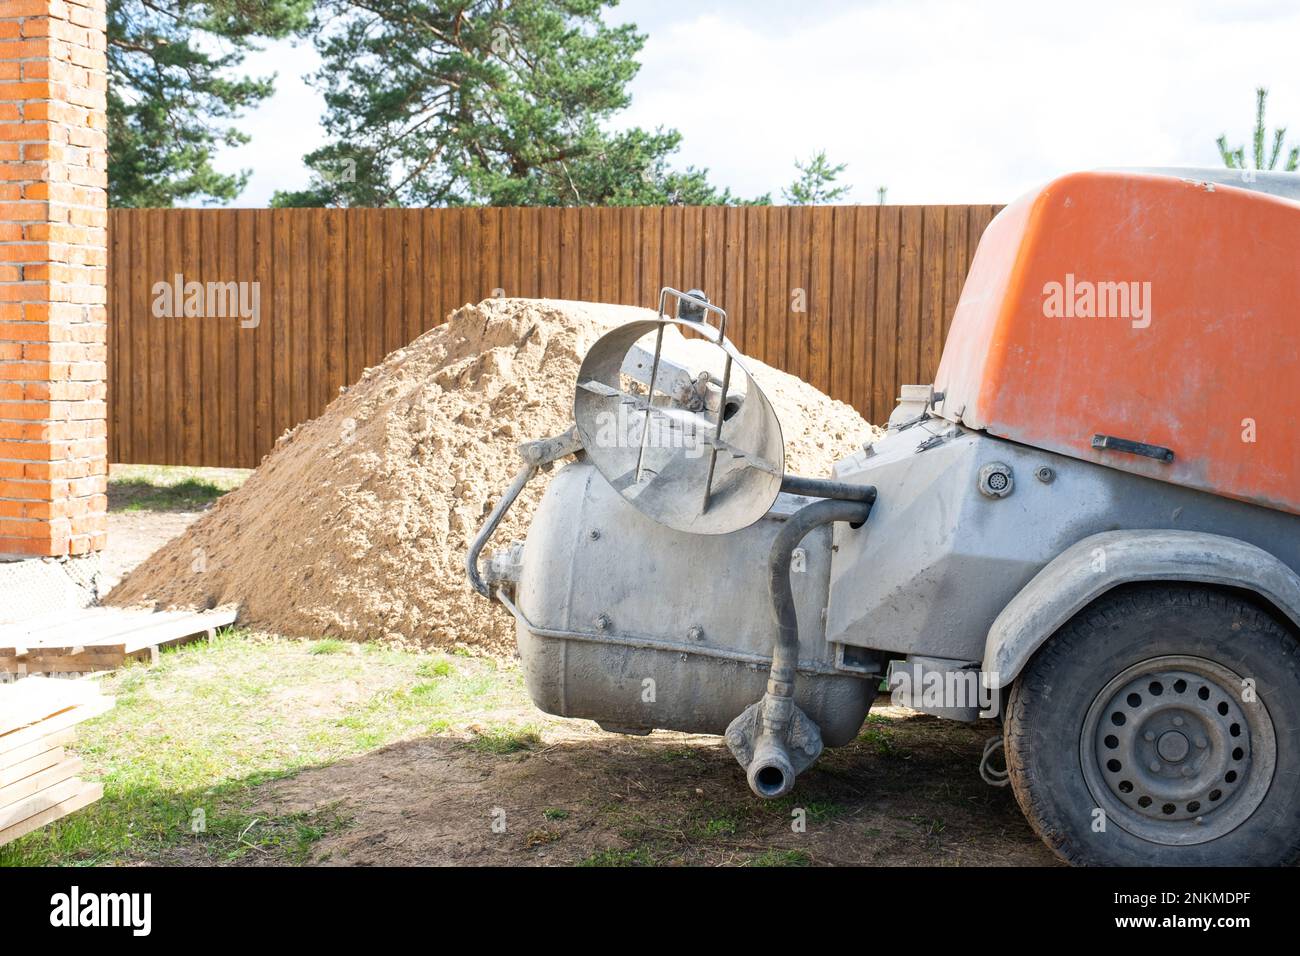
38, 777
89, 639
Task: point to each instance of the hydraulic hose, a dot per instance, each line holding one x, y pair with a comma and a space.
772, 767
824, 488
785, 655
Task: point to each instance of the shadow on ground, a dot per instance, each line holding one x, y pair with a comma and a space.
906, 793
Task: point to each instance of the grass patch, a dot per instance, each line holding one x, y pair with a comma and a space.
724, 826
191, 741
169, 488
555, 813
637, 857
504, 740
292, 836
781, 858
881, 738
330, 645
438, 668
819, 811
814, 811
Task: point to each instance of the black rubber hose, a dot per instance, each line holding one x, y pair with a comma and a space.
824, 488
785, 656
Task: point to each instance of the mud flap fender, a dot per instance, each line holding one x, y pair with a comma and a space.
1094, 565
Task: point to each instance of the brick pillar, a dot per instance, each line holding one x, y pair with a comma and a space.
53, 218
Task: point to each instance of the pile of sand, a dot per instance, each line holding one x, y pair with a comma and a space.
357, 523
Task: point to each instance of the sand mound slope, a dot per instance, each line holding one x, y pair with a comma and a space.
356, 524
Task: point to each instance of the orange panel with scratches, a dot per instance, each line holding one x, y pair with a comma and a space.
1146, 308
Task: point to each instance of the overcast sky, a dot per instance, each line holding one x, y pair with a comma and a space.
939, 100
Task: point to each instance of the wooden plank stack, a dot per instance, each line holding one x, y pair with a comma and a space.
90, 639
38, 777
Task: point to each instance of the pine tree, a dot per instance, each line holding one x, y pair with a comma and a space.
815, 184
450, 102
173, 90
1236, 158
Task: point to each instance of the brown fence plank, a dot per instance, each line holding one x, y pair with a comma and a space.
332, 253
864, 307
844, 240
511, 236
797, 289
731, 281
246, 271
650, 257
691, 250
118, 291
907, 363
885, 351
283, 283
570, 253
777, 316
155, 359
302, 305
932, 291
170, 358
630, 261
526, 268
713, 240
263, 353
548, 255
754, 299
820, 250
604, 258
490, 275
857, 299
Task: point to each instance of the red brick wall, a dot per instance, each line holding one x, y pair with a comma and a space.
53, 184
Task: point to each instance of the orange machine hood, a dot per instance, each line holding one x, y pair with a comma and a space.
1141, 313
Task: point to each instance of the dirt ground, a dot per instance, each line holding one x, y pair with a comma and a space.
134, 535
906, 793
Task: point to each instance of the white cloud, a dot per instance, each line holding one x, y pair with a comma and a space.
947, 101
283, 129
940, 100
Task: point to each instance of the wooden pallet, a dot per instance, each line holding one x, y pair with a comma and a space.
39, 779
99, 638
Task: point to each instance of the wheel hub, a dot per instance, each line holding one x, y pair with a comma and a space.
1173, 754
1173, 746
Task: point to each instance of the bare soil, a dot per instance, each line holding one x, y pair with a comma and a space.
905, 794
134, 535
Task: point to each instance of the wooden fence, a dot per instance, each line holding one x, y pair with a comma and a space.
855, 299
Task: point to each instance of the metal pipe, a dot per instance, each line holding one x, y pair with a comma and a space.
822, 488
490, 526
537, 455
793, 531
772, 770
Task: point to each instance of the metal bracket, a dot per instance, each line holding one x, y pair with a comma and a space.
543, 451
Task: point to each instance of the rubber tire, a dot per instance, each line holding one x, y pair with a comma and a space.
1049, 701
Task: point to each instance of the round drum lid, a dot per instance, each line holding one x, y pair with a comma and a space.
703, 451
